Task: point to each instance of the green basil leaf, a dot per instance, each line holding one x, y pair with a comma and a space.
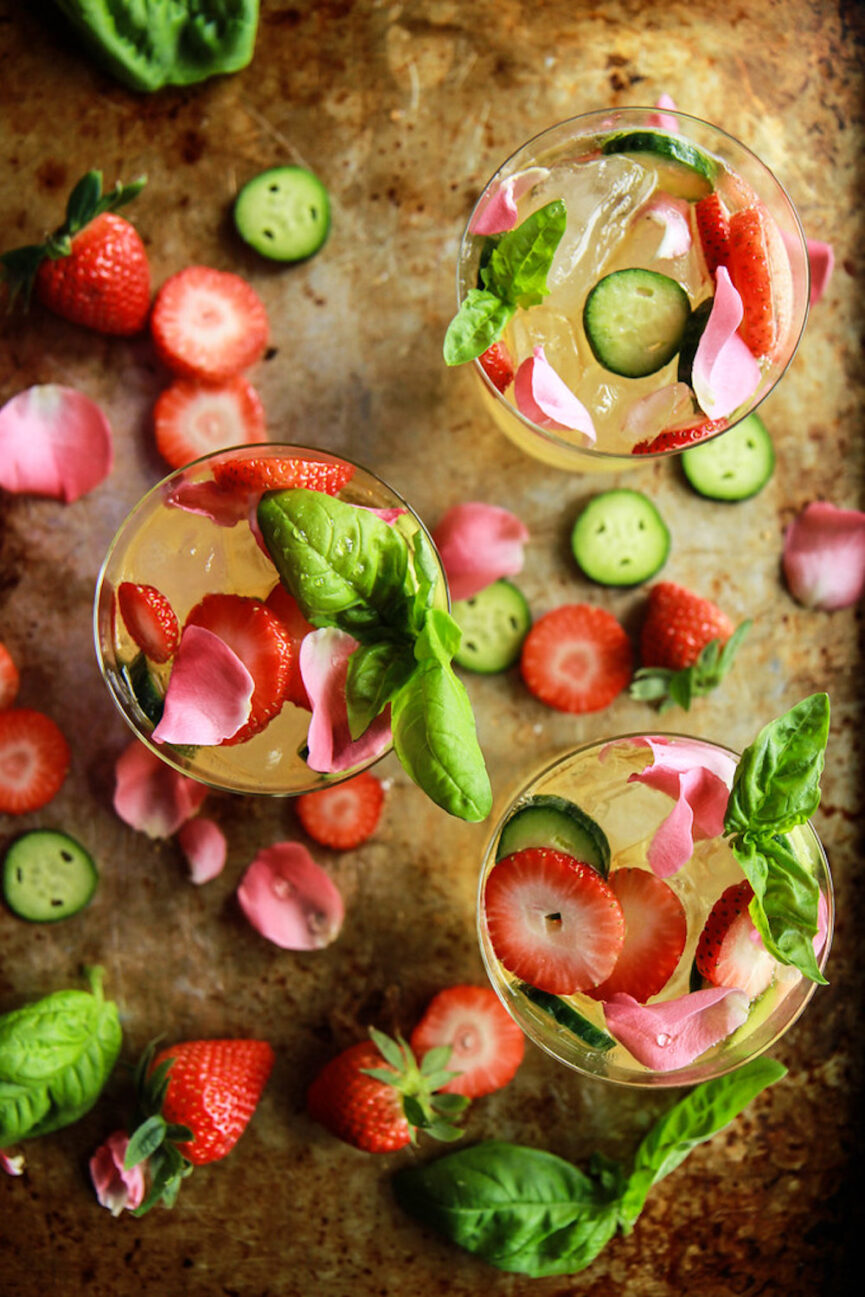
145, 1140
518, 1208
55, 1057
375, 673
518, 265
777, 780
439, 638
480, 321
785, 905
704, 1111
425, 568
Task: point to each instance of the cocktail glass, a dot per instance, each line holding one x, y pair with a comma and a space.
186, 540
613, 223
596, 778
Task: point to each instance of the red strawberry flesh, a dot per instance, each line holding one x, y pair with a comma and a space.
655, 932
751, 275
486, 1044
576, 658
713, 227
678, 626
345, 815
498, 365
149, 619
34, 760
208, 324
679, 438
730, 952
192, 418
282, 473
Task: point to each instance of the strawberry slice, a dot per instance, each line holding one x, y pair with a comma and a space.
498, 365
258, 638
150, 620
34, 759
552, 920
679, 438
345, 815
576, 658
208, 324
730, 952
655, 932
750, 271
9, 678
713, 227
281, 473
486, 1044
193, 418
287, 609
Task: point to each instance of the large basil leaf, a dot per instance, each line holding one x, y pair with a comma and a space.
375, 673
777, 780
55, 1057
785, 905
426, 571
520, 1209
480, 321
518, 265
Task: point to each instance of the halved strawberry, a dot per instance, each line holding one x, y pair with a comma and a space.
576, 658
655, 932
552, 920
9, 678
751, 274
208, 324
498, 365
486, 1044
150, 620
730, 952
34, 759
679, 438
264, 647
287, 609
281, 473
713, 227
345, 815
192, 418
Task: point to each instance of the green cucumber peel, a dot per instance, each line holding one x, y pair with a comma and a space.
513, 274
777, 787
670, 688
531, 1212
56, 1055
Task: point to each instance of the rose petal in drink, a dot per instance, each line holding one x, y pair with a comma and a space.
824, 556
324, 659
478, 544
209, 692
290, 900
151, 797
498, 212
205, 848
673, 215
725, 374
673, 1033
223, 506
663, 121
543, 397
54, 441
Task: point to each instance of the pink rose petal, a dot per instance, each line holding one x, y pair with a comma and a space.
824, 556
673, 1033
209, 691
656, 410
12, 1164
673, 215
54, 441
662, 120
478, 544
822, 259
499, 212
205, 848
116, 1188
324, 658
543, 397
725, 373
225, 506
151, 797
289, 899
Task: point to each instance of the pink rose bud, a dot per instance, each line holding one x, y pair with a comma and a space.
116, 1188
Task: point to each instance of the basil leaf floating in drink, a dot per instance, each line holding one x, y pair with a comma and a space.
375, 673
480, 321
785, 905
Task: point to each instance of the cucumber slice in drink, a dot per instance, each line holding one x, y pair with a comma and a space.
620, 538
144, 687
635, 321
568, 1017
47, 876
550, 821
494, 622
734, 466
696, 323
672, 148
283, 213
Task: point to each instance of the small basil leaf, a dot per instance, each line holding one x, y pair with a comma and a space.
427, 574
777, 780
519, 264
480, 321
785, 905
375, 673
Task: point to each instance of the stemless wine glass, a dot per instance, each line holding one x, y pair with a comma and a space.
191, 536
632, 184
598, 780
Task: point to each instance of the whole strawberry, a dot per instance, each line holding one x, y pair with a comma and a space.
93, 269
687, 646
195, 1100
375, 1096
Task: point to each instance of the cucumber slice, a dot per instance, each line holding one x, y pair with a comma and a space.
494, 622
635, 321
568, 1017
697, 321
47, 876
283, 213
735, 465
143, 687
672, 148
550, 821
620, 538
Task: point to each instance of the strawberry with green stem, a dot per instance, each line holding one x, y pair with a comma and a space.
93, 269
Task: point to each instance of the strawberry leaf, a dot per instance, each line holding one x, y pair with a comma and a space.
144, 1141
450, 1105
435, 1059
392, 1051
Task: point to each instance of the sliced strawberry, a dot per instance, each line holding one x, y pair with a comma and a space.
552, 920
486, 1044
713, 227
258, 638
576, 658
679, 438
208, 324
34, 759
287, 609
9, 678
750, 271
498, 365
150, 620
192, 418
345, 815
655, 932
730, 952
281, 473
